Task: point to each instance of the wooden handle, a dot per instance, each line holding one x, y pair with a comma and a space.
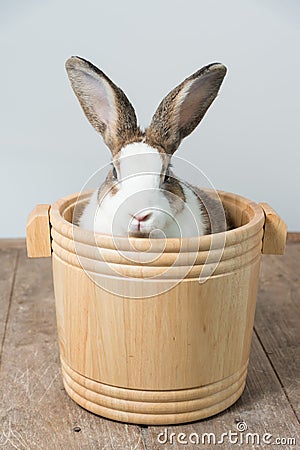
38, 238
275, 231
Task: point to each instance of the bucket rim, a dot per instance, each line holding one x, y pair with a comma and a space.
206, 242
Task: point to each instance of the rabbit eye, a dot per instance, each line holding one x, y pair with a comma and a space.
167, 175
114, 172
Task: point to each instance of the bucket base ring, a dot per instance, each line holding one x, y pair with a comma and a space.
153, 407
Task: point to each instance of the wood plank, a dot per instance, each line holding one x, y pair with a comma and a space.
12, 243
293, 237
263, 407
8, 260
278, 320
35, 411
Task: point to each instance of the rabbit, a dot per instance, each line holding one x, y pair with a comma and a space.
141, 196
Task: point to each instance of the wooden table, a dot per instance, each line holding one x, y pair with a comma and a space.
36, 413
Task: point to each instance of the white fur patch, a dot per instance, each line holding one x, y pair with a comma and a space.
139, 159
139, 193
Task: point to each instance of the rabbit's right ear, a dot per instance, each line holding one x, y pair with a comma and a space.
104, 104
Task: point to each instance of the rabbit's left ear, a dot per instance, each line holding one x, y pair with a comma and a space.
104, 104
183, 108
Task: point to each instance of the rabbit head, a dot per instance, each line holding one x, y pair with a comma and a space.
141, 194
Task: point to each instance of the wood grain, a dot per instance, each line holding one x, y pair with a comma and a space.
8, 262
263, 407
38, 232
110, 338
10, 243
35, 411
293, 237
21, 242
275, 231
277, 321
107, 311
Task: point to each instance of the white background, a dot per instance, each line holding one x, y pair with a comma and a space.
248, 142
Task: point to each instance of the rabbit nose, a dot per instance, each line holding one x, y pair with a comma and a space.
142, 217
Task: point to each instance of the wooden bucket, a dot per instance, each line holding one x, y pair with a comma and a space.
155, 335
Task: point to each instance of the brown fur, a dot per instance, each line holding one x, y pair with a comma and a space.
174, 194
110, 186
78, 211
217, 218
